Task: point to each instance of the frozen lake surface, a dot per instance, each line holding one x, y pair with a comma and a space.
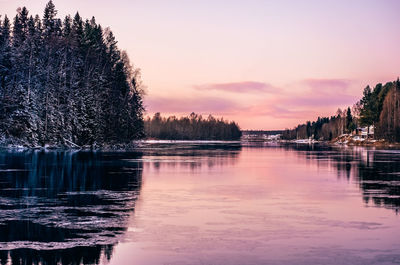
201, 203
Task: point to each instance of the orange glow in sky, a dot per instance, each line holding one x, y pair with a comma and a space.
266, 64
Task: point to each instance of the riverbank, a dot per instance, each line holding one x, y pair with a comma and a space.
348, 140
351, 140
343, 140
17, 144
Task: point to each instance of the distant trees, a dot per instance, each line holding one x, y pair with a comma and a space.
326, 128
66, 82
193, 127
379, 107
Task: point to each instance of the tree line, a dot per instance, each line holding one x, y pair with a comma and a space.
379, 108
192, 127
65, 82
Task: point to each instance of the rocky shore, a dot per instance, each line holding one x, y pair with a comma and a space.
355, 140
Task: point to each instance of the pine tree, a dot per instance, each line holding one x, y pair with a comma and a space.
350, 126
65, 82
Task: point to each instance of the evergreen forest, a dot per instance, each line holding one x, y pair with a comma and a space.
64, 82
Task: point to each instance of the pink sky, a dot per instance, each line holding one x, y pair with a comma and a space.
265, 64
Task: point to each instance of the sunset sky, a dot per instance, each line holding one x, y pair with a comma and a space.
265, 64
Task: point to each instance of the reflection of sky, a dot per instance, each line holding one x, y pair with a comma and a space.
271, 206
255, 204
195, 156
215, 56
376, 172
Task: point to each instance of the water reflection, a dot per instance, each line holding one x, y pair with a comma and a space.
193, 156
379, 178
202, 204
377, 172
65, 207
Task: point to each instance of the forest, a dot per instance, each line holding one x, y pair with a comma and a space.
64, 82
192, 127
379, 108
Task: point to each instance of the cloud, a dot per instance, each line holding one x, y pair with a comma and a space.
317, 100
323, 93
238, 87
304, 100
187, 105
273, 109
324, 84
287, 105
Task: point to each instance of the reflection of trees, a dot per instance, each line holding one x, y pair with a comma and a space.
65, 207
77, 255
192, 155
377, 172
380, 180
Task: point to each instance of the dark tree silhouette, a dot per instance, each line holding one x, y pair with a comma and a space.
193, 127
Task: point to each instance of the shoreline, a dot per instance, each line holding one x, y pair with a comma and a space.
336, 142
137, 144
132, 146
376, 143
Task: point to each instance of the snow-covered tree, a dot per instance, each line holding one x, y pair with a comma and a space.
65, 82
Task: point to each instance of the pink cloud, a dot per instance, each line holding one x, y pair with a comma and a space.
323, 84
239, 87
287, 106
271, 108
314, 100
324, 93
212, 105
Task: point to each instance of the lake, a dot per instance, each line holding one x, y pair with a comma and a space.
201, 203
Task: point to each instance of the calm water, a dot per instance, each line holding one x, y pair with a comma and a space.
198, 203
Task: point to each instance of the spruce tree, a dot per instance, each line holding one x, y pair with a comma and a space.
64, 82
